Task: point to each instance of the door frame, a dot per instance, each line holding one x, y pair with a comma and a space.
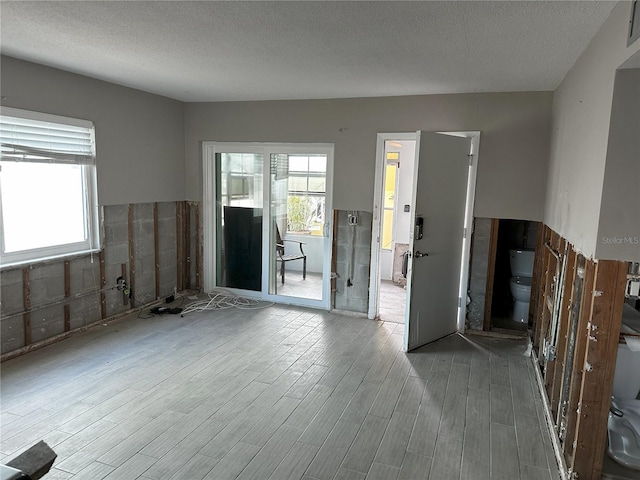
209, 224
374, 277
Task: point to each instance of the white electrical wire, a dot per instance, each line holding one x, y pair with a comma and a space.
220, 299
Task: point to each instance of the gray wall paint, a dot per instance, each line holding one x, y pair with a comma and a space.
139, 136
514, 145
619, 227
581, 114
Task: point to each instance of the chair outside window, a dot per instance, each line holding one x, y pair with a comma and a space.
283, 257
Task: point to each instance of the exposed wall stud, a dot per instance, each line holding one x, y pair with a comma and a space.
198, 248
132, 259
67, 317
491, 270
103, 284
179, 246
187, 245
26, 301
67, 294
156, 249
563, 334
67, 279
537, 264
556, 293
123, 273
600, 356
578, 362
540, 300
569, 356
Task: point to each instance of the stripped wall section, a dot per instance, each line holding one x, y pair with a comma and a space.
44, 302
478, 272
353, 257
577, 310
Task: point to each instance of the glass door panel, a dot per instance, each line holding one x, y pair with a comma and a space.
239, 212
297, 243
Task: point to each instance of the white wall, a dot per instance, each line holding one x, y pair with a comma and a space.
619, 226
580, 130
514, 150
139, 136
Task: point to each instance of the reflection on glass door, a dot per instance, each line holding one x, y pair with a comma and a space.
239, 205
298, 201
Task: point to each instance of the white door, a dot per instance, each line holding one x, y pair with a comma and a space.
439, 195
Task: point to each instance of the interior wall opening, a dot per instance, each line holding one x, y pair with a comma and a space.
396, 224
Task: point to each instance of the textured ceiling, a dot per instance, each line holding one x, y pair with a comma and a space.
243, 50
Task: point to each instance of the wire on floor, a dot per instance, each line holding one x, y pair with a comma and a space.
220, 299
149, 308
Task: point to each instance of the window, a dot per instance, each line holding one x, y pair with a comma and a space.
306, 193
48, 200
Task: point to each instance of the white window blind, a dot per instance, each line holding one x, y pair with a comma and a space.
37, 137
48, 201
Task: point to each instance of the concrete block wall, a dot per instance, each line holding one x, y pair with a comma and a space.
167, 247
353, 257
46, 280
144, 254
480, 246
116, 253
194, 244
11, 302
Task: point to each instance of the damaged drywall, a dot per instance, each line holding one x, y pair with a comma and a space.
44, 300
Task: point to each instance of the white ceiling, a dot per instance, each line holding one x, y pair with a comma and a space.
264, 50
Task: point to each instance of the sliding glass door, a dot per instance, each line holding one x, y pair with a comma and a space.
239, 207
267, 221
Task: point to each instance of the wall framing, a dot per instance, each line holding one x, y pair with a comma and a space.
47, 301
575, 347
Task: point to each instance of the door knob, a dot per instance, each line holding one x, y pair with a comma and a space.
420, 254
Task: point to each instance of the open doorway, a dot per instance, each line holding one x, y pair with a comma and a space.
398, 173
439, 215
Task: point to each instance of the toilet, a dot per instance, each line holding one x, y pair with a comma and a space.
521, 262
624, 414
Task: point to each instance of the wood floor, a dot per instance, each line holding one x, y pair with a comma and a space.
278, 393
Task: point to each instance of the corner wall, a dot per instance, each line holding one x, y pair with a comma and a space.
139, 136
580, 130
